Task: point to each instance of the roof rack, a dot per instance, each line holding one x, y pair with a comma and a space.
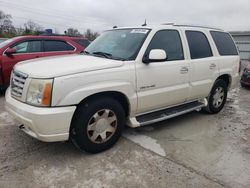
200, 26
187, 25
168, 23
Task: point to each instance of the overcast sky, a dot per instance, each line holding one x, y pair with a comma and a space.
100, 15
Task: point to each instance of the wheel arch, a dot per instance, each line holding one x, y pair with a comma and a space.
227, 78
118, 96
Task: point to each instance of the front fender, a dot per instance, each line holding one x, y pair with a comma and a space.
75, 93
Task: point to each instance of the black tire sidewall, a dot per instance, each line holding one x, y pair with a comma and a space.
82, 116
218, 83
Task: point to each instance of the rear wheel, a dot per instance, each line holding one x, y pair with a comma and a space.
97, 124
217, 97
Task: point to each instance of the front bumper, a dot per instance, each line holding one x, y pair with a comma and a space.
45, 124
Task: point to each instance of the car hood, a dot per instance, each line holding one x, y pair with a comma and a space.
51, 67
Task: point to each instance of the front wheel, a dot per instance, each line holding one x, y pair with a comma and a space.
97, 124
217, 97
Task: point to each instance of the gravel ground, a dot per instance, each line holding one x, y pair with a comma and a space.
194, 150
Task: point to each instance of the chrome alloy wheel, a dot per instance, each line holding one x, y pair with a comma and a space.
102, 126
218, 97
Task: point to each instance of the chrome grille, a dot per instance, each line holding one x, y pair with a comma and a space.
17, 84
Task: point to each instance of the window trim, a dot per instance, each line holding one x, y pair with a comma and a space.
42, 46
146, 51
209, 44
21, 41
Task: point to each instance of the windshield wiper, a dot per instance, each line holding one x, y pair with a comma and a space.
107, 55
103, 54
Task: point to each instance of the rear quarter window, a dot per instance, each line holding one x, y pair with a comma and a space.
82, 42
224, 43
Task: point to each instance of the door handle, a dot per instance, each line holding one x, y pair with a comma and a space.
212, 66
184, 70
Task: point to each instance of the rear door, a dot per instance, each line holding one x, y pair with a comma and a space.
57, 47
203, 64
25, 50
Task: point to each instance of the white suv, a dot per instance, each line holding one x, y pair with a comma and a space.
134, 76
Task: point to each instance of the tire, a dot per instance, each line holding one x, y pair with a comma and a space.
217, 97
97, 124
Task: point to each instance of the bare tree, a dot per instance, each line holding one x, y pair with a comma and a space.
91, 35
73, 32
32, 28
6, 27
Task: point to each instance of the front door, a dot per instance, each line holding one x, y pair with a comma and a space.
25, 50
163, 84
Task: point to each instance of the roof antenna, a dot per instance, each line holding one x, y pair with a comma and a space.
114, 27
145, 23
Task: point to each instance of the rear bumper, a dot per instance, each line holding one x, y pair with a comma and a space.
245, 79
45, 124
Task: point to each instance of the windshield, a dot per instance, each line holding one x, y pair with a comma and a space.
2, 44
123, 44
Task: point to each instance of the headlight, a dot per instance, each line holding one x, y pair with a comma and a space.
40, 92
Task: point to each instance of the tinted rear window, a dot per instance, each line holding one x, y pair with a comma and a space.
224, 43
198, 45
56, 45
82, 42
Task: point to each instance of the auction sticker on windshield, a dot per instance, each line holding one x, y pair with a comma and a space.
143, 31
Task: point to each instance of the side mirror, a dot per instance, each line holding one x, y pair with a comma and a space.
10, 51
156, 55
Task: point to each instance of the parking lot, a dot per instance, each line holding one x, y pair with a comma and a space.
194, 150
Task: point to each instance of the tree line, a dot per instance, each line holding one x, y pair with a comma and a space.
8, 30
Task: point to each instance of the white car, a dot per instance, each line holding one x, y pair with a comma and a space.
2, 39
127, 76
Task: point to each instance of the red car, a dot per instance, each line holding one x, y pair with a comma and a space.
23, 48
245, 78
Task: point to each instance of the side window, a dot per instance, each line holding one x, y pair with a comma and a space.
56, 45
170, 41
198, 45
28, 47
224, 43
21, 47
82, 42
34, 46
